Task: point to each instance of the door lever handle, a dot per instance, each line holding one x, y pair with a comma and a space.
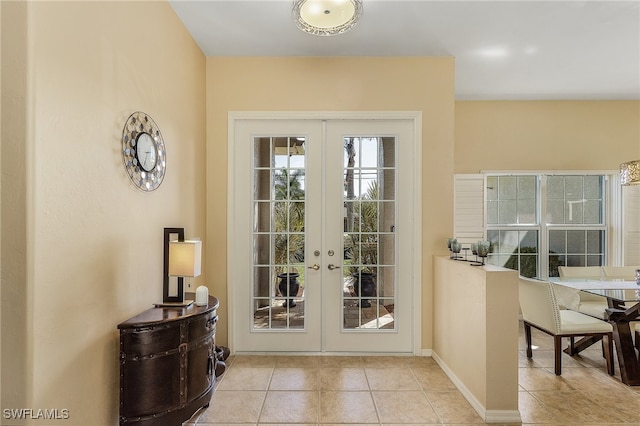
315, 267
331, 267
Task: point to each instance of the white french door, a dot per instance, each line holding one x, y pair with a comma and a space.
322, 241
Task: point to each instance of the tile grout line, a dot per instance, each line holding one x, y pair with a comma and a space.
375, 405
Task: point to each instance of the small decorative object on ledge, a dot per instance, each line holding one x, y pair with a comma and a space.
480, 249
483, 249
450, 241
455, 249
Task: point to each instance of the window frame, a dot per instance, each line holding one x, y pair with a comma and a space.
611, 217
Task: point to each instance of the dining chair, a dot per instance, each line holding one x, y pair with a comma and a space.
620, 272
586, 303
540, 310
592, 272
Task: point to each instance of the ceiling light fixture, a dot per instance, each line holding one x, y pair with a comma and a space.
630, 173
326, 17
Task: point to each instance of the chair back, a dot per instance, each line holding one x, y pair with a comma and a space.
568, 298
538, 304
580, 272
620, 272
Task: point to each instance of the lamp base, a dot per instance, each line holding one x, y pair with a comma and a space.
173, 304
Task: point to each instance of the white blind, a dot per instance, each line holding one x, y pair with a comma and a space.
468, 208
631, 225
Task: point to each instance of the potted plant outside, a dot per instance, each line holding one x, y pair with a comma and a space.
288, 214
361, 247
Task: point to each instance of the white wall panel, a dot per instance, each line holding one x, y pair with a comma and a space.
631, 224
468, 207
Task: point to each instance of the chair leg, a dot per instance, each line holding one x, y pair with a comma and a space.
609, 353
572, 346
557, 351
527, 337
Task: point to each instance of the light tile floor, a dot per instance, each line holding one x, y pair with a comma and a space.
328, 390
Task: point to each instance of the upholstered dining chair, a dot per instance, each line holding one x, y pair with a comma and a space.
593, 272
590, 304
620, 272
540, 310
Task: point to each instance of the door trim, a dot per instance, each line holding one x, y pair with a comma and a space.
414, 116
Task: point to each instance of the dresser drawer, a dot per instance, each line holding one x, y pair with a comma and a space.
203, 325
144, 341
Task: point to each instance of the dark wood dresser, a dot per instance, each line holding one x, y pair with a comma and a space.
167, 364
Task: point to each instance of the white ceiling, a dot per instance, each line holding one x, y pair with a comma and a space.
503, 49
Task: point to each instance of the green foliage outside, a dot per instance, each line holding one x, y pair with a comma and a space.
527, 262
361, 245
288, 216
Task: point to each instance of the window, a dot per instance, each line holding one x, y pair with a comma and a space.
538, 222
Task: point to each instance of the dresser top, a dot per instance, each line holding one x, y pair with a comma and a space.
168, 314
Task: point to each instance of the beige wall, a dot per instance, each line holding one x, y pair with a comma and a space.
476, 338
335, 84
545, 135
13, 267
82, 249
93, 242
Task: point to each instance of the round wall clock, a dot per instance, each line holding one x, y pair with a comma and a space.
143, 152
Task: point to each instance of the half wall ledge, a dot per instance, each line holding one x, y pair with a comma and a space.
476, 335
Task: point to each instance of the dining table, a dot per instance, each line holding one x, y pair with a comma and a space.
623, 300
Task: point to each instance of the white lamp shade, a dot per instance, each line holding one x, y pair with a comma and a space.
185, 258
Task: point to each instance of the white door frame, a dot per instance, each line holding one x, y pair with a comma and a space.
415, 116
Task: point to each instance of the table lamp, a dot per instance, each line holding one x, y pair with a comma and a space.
185, 261
182, 258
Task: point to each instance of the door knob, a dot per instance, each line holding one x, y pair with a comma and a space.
315, 267
331, 267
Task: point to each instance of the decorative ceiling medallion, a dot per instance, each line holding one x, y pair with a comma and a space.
143, 152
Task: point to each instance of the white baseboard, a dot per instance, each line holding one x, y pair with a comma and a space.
426, 352
489, 416
502, 416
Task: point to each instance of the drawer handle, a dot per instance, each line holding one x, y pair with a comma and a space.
210, 366
211, 322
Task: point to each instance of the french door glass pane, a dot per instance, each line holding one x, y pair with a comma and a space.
278, 233
369, 197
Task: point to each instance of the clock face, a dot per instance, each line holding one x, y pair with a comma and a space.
146, 152
143, 152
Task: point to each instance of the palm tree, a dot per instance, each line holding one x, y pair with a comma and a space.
362, 245
349, 146
288, 216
